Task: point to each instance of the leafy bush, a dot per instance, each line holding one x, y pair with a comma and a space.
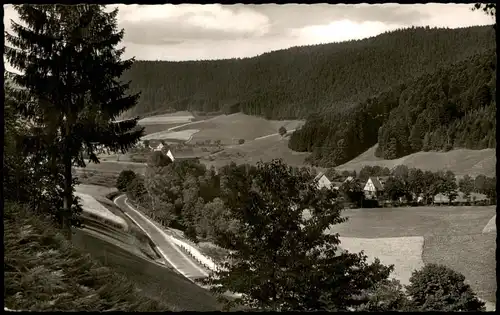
279, 261
439, 288
387, 295
136, 190
125, 178
282, 131
241, 141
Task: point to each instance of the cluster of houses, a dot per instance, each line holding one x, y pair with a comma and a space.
374, 189
159, 147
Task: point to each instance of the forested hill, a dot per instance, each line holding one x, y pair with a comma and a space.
454, 107
295, 82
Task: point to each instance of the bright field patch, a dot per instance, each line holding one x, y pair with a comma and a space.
405, 253
460, 161
452, 236
114, 167
177, 117
472, 255
230, 128
91, 206
414, 221
153, 128
491, 226
264, 149
183, 135
94, 190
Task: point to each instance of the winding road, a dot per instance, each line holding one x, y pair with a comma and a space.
175, 257
153, 279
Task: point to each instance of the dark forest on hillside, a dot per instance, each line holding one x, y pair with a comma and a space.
454, 107
298, 81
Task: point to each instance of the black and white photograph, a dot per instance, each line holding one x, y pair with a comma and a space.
250, 157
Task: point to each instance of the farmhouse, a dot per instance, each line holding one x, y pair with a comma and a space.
182, 158
323, 181
374, 187
170, 155
159, 147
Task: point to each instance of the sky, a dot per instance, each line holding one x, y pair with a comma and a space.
215, 31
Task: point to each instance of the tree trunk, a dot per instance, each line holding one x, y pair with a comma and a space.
68, 185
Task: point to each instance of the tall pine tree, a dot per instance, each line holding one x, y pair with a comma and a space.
70, 69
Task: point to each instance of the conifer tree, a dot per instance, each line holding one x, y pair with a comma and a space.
70, 69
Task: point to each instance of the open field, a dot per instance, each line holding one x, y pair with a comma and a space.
266, 149
113, 167
99, 178
491, 227
472, 255
452, 236
183, 135
414, 221
91, 206
460, 161
405, 253
154, 128
177, 117
230, 128
95, 190
132, 237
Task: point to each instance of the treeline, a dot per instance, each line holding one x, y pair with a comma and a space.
186, 195
454, 107
412, 183
298, 81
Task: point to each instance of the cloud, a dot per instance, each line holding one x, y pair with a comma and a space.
164, 24
339, 31
301, 15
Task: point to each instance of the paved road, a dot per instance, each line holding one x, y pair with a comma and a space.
153, 279
170, 252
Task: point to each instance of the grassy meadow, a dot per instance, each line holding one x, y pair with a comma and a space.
460, 161
52, 275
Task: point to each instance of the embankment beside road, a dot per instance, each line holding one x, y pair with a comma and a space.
45, 272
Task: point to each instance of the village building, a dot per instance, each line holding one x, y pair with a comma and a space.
170, 155
159, 147
323, 181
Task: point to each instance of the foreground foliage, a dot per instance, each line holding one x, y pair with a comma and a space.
282, 261
44, 272
274, 256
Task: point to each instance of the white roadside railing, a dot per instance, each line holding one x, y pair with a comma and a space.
187, 248
195, 253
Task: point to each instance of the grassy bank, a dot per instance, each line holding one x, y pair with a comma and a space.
44, 272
